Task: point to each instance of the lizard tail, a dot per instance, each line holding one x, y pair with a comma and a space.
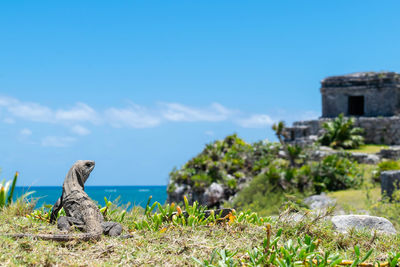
59, 237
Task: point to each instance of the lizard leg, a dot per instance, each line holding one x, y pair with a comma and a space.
64, 223
111, 228
55, 209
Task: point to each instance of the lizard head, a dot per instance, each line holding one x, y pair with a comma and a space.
84, 168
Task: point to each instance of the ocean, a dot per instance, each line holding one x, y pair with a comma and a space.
135, 195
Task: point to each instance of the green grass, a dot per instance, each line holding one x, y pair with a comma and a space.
177, 245
371, 149
355, 200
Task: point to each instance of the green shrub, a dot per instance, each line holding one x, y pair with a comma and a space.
225, 162
335, 172
341, 133
266, 192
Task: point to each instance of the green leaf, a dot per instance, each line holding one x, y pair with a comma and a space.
14, 182
367, 255
357, 250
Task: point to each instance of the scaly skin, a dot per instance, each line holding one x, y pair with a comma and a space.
81, 211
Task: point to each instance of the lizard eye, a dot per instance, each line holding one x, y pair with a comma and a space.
88, 164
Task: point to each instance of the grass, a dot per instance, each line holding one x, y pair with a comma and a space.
354, 200
369, 148
179, 245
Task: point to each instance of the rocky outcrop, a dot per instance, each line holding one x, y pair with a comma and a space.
220, 171
345, 223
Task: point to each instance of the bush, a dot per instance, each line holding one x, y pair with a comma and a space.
341, 133
335, 172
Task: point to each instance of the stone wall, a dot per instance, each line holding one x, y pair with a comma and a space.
380, 92
336, 102
378, 130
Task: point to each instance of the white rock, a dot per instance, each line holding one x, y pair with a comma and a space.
344, 223
213, 194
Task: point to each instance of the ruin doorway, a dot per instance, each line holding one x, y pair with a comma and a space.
356, 105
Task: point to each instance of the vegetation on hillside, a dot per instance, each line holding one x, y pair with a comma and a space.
265, 172
227, 162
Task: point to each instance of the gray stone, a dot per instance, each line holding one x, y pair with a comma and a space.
390, 181
377, 130
365, 158
319, 202
392, 152
344, 223
213, 194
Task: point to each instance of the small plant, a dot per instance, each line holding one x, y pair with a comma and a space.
388, 165
111, 212
301, 252
7, 191
341, 133
43, 214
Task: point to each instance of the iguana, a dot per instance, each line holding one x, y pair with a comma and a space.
81, 211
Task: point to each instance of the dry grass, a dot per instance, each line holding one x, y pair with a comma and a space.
173, 245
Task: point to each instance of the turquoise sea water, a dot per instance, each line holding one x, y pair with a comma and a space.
136, 195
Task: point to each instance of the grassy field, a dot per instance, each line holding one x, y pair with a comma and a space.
232, 241
371, 149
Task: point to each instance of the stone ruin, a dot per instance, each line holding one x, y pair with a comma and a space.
372, 98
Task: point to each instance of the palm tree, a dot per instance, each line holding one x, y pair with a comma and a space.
341, 133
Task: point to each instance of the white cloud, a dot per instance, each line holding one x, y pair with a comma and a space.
256, 121
134, 117
81, 112
57, 141
78, 116
178, 112
30, 111
80, 130
38, 113
25, 132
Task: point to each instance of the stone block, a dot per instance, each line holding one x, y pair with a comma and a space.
390, 181
391, 153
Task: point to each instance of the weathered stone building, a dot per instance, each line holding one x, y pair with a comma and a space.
367, 94
373, 98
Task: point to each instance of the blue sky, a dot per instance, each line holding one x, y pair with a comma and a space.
142, 86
